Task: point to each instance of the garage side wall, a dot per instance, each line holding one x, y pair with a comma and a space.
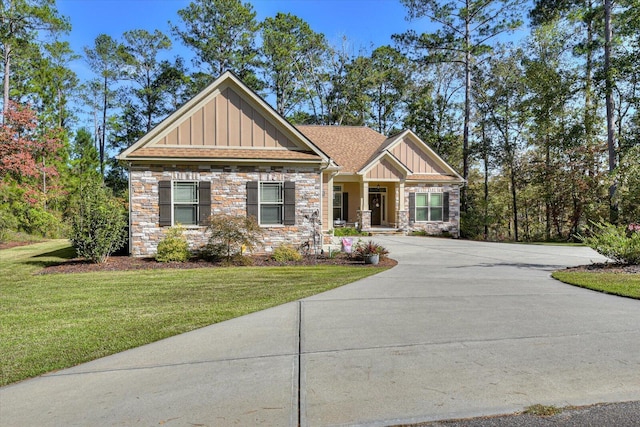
450, 225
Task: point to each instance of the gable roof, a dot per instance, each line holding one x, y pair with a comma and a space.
358, 149
227, 122
351, 147
390, 162
446, 172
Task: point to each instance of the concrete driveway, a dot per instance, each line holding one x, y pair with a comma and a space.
457, 329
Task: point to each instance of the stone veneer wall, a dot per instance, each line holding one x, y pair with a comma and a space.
364, 220
436, 228
228, 196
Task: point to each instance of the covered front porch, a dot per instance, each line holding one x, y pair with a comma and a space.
367, 205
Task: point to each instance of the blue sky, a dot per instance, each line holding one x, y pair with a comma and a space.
363, 22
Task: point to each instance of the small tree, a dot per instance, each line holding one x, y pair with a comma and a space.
232, 235
98, 227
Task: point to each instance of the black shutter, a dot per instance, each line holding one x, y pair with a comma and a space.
252, 199
204, 202
289, 203
412, 207
164, 203
445, 207
345, 206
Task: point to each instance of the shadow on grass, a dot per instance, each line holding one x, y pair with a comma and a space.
49, 258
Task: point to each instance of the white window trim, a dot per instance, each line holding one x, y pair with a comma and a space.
281, 203
173, 203
428, 194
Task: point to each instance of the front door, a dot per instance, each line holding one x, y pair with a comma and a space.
376, 205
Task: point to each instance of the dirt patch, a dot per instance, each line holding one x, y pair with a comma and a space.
9, 245
124, 263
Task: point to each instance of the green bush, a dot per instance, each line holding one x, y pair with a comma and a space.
173, 247
348, 231
8, 223
42, 223
617, 243
98, 227
286, 253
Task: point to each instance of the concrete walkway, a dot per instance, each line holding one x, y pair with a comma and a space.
457, 329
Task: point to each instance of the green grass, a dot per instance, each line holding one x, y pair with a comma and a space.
53, 321
539, 410
626, 285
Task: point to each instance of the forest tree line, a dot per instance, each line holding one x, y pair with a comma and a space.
545, 129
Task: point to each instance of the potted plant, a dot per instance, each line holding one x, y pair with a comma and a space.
370, 251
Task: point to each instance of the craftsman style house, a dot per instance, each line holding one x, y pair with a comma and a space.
228, 152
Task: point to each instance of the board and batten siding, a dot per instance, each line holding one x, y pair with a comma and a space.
415, 159
226, 121
384, 170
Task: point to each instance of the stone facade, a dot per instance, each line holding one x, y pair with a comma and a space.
364, 220
436, 228
402, 220
228, 196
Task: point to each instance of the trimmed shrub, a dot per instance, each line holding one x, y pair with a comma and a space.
621, 244
348, 231
98, 227
286, 253
173, 247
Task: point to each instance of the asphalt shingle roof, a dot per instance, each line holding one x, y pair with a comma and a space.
351, 147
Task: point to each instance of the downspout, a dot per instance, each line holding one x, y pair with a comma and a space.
333, 173
322, 169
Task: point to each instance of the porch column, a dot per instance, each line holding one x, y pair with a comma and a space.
330, 202
364, 214
365, 197
402, 215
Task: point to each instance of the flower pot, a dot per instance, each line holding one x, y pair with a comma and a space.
372, 259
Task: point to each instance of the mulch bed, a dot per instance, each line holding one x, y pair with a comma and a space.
606, 267
123, 263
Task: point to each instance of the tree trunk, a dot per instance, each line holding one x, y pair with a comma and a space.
104, 127
547, 202
611, 143
7, 72
485, 158
514, 202
588, 117
467, 114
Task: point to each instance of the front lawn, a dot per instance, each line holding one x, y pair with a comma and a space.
53, 321
622, 284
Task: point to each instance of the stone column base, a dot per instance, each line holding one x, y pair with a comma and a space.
402, 220
364, 220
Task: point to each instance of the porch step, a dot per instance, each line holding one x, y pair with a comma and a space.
386, 232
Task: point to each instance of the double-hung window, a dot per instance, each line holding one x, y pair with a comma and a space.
184, 202
271, 203
430, 207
